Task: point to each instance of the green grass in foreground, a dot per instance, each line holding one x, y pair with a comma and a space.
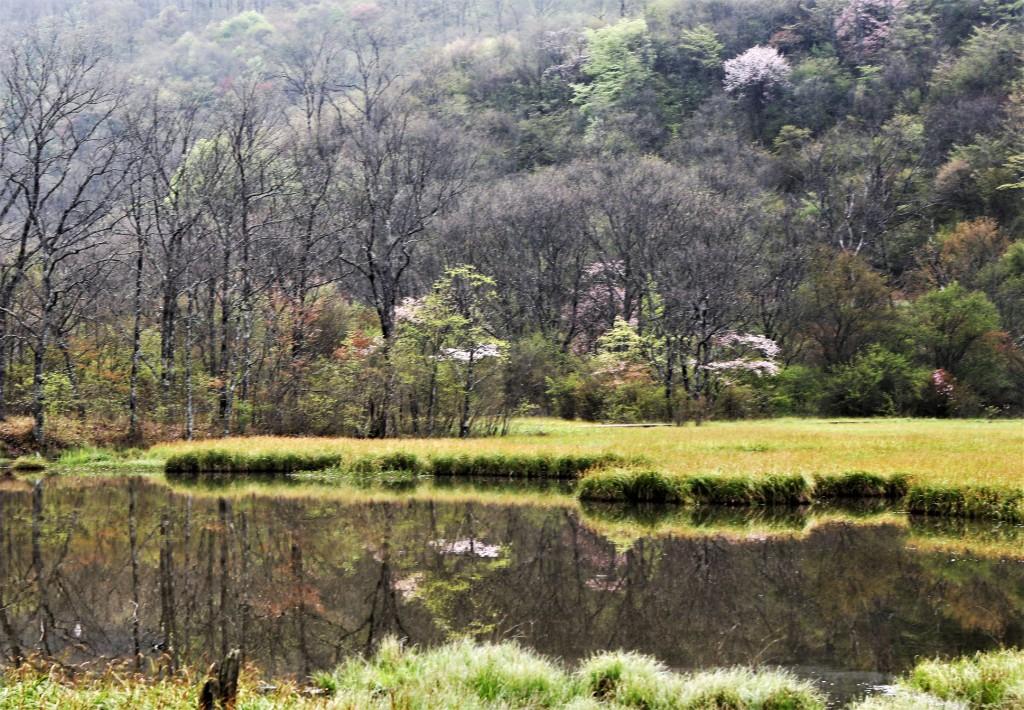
993, 681
468, 675
464, 674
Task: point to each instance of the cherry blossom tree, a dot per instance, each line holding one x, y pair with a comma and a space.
758, 72
757, 76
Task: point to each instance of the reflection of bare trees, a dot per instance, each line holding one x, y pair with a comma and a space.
134, 554
132, 570
6, 573
168, 609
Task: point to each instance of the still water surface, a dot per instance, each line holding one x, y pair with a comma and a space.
90, 567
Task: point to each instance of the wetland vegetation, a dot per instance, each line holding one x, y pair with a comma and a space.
308, 577
512, 354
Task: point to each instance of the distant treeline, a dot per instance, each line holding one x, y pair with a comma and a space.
424, 218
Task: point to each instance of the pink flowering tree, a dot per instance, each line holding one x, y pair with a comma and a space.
600, 303
864, 26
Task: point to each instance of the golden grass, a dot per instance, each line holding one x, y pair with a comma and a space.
935, 451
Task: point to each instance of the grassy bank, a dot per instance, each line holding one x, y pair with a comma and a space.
929, 451
967, 469
203, 461
465, 674
993, 681
943, 499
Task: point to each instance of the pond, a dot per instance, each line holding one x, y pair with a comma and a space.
90, 567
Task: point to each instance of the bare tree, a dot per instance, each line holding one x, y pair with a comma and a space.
67, 170
402, 169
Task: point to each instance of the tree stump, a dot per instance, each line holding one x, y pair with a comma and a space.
221, 689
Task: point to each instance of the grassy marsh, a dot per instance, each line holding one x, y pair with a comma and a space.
948, 468
934, 451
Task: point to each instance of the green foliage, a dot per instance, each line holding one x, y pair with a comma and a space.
950, 326
796, 390
990, 60
58, 393
84, 455
248, 25
701, 46
619, 61
876, 382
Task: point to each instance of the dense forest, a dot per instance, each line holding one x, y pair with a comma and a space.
424, 217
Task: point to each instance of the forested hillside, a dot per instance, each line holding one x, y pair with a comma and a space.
426, 216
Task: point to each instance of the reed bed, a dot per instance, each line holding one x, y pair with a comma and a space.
207, 461
966, 501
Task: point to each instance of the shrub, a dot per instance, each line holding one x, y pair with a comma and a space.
876, 382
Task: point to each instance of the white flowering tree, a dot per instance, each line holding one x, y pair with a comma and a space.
760, 71
449, 330
757, 76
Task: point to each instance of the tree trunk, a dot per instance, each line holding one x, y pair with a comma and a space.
133, 379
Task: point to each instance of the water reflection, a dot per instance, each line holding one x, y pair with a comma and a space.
132, 568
